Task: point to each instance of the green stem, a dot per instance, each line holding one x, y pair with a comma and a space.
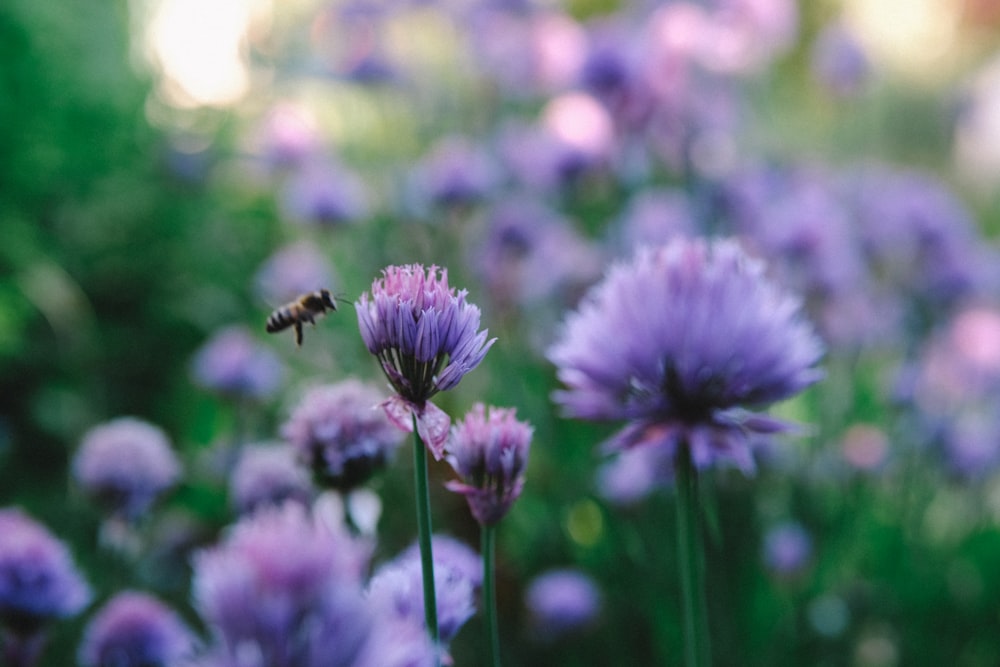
423, 499
489, 539
696, 641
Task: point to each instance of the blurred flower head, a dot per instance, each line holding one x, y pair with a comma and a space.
489, 451
562, 601
295, 269
233, 364
134, 629
653, 217
681, 342
339, 431
633, 474
38, 580
839, 62
426, 336
456, 172
126, 464
288, 135
452, 554
267, 475
787, 548
324, 194
283, 588
396, 590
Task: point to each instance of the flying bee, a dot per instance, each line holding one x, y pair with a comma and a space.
304, 309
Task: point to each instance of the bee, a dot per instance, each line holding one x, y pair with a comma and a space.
303, 309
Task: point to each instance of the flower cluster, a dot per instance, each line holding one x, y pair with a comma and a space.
426, 337
680, 342
134, 628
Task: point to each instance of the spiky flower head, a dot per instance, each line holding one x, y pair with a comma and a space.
489, 451
339, 432
135, 630
126, 464
38, 580
683, 341
426, 336
286, 588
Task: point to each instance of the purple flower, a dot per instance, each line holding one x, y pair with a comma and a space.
267, 475
295, 269
489, 451
135, 630
126, 464
839, 62
787, 548
234, 364
286, 588
288, 135
38, 580
654, 217
339, 432
321, 193
396, 590
452, 554
680, 342
633, 474
561, 601
425, 334
456, 172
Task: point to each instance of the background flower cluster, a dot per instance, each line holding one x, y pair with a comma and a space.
170, 177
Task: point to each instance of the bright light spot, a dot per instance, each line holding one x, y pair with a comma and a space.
200, 47
912, 36
580, 121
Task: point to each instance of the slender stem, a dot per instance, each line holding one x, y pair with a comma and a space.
424, 534
696, 641
489, 539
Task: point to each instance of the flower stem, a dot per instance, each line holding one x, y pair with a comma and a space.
696, 641
489, 535
424, 534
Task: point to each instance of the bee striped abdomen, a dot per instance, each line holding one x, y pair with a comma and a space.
280, 319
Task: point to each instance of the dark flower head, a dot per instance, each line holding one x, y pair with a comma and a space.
426, 336
562, 601
125, 464
38, 581
285, 587
680, 342
232, 363
339, 432
135, 630
265, 475
489, 451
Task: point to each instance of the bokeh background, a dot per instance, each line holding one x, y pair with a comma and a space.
170, 169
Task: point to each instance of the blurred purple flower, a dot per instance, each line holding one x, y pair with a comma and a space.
232, 363
38, 580
787, 548
295, 269
680, 342
284, 589
339, 432
456, 172
562, 601
489, 451
633, 474
972, 444
961, 363
529, 252
324, 193
452, 554
134, 629
425, 334
126, 464
396, 590
266, 475
653, 217
288, 135
839, 62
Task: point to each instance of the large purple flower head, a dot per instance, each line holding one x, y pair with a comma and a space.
339, 432
135, 630
489, 451
285, 587
38, 581
680, 342
232, 363
561, 601
426, 336
125, 464
265, 475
